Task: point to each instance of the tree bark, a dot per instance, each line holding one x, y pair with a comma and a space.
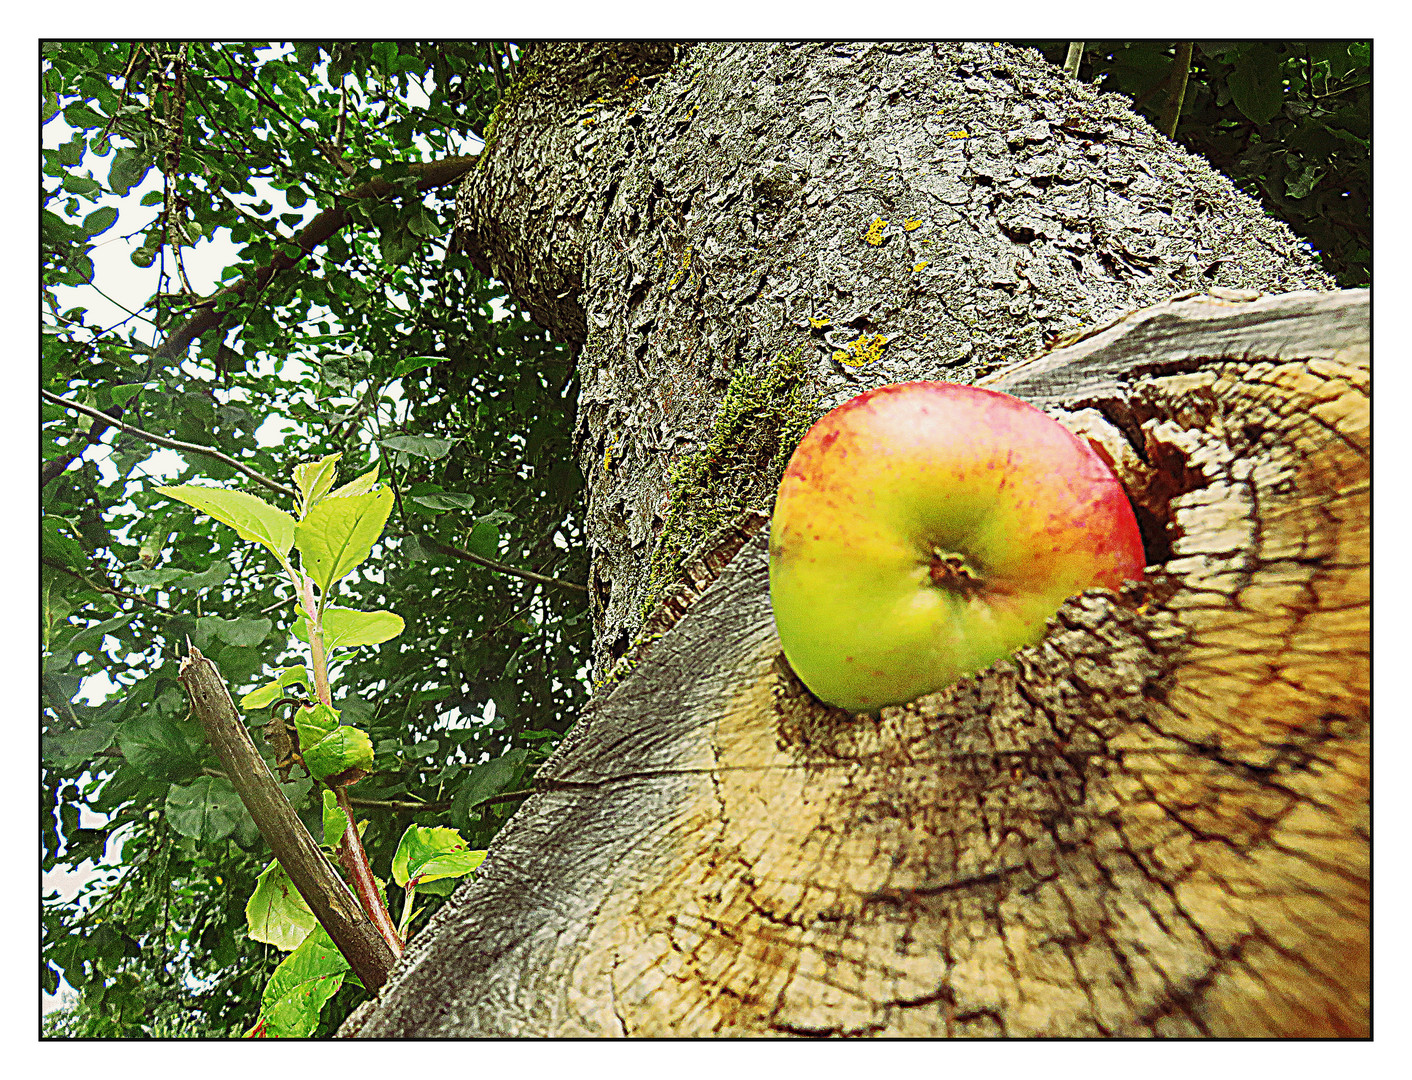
1154, 822
725, 237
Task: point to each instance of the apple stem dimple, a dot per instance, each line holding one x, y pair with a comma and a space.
949, 571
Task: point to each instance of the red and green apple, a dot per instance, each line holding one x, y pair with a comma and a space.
925, 530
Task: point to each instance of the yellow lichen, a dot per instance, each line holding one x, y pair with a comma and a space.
866, 349
685, 266
912, 223
959, 135
819, 324
919, 267
874, 235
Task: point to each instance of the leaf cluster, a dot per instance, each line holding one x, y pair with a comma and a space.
383, 345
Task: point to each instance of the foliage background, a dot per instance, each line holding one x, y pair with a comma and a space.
387, 346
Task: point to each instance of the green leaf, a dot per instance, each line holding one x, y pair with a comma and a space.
160, 746
71, 748
275, 913
315, 724
346, 748
1301, 182
339, 533
345, 628
250, 516
129, 166
79, 115
57, 543
213, 575
360, 486
485, 780
243, 633
484, 539
100, 221
259, 698
301, 985
1257, 86
335, 820
91, 638
446, 500
207, 810
148, 579
409, 364
425, 446
315, 478
426, 854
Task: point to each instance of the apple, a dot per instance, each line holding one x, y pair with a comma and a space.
925, 530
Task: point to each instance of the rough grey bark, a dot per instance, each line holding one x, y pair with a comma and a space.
815, 219
1154, 822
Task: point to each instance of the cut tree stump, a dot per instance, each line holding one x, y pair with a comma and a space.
1153, 822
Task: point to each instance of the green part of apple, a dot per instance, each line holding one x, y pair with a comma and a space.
925, 530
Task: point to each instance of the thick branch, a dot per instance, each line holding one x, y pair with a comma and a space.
308, 867
433, 174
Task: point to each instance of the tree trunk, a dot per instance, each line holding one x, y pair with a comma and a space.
1154, 821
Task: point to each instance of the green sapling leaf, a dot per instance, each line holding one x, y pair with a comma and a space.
339, 533
344, 749
315, 478
314, 725
250, 516
300, 986
259, 698
345, 628
360, 486
335, 820
275, 913
426, 854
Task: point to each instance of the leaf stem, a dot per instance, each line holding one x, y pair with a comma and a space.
354, 859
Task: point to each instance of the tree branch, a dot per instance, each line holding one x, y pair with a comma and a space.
57, 467
308, 867
1176, 90
1073, 58
470, 556
171, 444
432, 174
61, 568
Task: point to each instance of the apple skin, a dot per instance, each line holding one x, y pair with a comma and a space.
925, 530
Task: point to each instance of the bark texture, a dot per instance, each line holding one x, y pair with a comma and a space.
1154, 822
738, 237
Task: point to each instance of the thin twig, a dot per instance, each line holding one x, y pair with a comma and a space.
171, 444
53, 565
470, 556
